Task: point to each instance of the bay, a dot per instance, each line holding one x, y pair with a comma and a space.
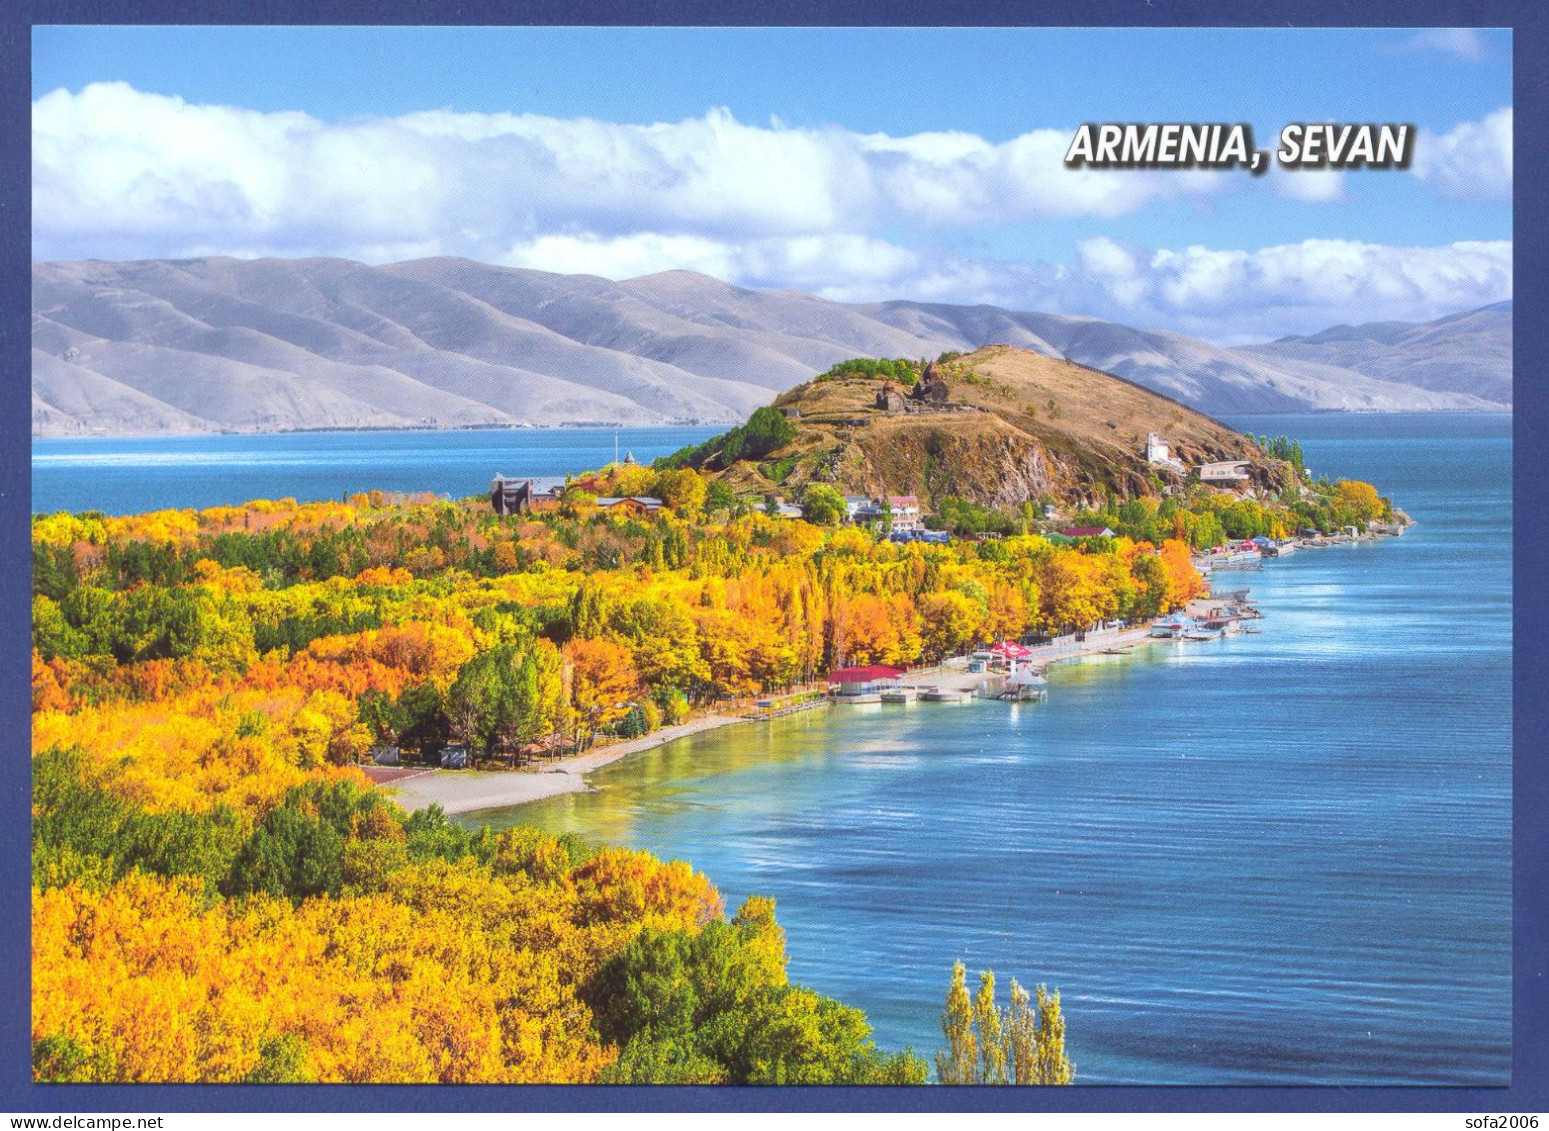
1281, 858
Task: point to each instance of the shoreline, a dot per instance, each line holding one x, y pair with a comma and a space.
470, 791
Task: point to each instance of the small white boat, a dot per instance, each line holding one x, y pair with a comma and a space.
1202, 634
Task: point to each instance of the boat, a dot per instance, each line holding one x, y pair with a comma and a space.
1201, 633
1171, 628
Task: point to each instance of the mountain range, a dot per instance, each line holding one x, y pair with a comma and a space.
219, 344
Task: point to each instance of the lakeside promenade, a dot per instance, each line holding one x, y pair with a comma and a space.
468, 791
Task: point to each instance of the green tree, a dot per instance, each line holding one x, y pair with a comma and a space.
719, 497
714, 1006
823, 505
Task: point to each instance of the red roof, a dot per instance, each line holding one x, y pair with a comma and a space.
1082, 531
867, 674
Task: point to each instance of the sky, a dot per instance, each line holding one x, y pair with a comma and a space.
857, 164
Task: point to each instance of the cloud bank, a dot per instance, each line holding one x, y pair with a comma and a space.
120, 174
1472, 161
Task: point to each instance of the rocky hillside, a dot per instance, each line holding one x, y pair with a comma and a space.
269, 345
999, 426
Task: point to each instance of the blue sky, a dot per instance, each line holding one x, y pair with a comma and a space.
857, 163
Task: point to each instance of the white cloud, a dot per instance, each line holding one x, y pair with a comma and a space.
1464, 42
115, 166
1316, 186
118, 173
1222, 295
1234, 296
1472, 161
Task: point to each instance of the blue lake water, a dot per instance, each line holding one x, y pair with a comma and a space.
127, 475
1281, 858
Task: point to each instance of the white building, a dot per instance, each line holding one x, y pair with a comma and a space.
1227, 473
1159, 455
905, 512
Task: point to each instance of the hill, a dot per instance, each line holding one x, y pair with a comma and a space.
999, 426
1468, 353
270, 345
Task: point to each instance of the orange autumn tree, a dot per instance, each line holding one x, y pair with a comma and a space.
603, 684
1184, 582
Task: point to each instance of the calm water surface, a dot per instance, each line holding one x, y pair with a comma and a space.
1272, 858
1281, 858
128, 475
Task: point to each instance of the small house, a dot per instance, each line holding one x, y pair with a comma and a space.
1231, 473
454, 756
903, 511
866, 680
630, 504
511, 496
1075, 533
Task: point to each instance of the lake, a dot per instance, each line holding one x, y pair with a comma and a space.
1280, 858
1270, 859
125, 475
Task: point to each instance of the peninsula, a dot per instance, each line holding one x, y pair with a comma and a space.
208, 684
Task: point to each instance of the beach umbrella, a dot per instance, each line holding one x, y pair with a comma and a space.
1011, 650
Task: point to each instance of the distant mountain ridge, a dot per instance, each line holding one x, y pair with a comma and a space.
169, 346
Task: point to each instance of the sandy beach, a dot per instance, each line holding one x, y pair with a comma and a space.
464, 791
467, 791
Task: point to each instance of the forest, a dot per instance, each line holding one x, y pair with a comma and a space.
221, 895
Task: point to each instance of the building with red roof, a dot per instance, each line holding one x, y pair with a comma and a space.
866, 679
